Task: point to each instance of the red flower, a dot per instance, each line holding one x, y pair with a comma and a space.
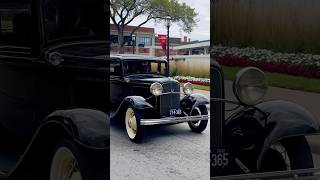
291, 69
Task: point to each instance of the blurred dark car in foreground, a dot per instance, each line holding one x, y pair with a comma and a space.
53, 90
258, 136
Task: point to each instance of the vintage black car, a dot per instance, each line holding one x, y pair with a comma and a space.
53, 90
143, 94
257, 136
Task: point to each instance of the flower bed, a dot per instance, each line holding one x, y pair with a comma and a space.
193, 80
293, 64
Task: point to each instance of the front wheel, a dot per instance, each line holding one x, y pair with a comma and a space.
198, 126
133, 127
70, 163
288, 154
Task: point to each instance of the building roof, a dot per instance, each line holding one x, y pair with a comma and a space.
129, 28
136, 57
195, 44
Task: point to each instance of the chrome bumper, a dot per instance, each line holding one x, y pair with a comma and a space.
173, 120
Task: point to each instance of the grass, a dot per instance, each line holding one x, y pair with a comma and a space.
281, 80
205, 88
198, 87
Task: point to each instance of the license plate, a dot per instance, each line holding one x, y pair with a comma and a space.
220, 158
174, 112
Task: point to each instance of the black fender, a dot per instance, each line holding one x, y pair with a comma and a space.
285, 119
138, 103
88, 129
188, 103
88, 126
282, 119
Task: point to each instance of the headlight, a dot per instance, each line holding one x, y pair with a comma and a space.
250, 86
187, 89
156, 89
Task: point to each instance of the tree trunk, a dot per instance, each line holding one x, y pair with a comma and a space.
121, 40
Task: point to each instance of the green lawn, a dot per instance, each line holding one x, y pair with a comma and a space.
206, 88
281, 80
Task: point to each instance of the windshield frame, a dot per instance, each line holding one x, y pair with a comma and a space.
162, 74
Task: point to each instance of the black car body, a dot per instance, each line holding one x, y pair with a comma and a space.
131, 81
258, 137
53, 71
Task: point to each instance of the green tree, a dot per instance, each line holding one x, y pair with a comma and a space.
123, 12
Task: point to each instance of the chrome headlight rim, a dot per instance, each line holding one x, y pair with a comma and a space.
156, 89
188, 88
250, 81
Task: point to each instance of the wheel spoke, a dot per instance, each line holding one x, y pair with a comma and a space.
281, 150
72, 170
196, 112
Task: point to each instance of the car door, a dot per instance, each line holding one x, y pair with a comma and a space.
16, 70
116, 82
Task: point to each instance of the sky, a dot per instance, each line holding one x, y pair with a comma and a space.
201, 32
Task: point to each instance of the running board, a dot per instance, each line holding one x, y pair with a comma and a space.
302, 174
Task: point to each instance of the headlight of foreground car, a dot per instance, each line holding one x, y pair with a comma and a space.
156, 89
187, 89
250, 85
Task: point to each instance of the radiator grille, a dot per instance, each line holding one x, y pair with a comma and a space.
171, 98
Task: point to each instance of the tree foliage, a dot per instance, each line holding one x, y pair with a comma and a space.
123, 12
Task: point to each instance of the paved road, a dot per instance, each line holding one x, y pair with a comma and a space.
167, 152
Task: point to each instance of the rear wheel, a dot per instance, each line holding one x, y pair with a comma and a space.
198, 126
133, 127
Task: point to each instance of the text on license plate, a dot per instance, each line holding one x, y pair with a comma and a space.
174, 112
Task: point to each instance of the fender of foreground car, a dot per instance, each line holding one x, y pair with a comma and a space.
283, 120
88, 129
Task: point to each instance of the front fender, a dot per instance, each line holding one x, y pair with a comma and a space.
137, 102
188, 103
285, 120
90, 127
52, 131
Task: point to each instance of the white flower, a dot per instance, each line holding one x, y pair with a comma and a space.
267, 55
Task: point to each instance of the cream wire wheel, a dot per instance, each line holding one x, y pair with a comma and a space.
64, 165
131, 123
133, 127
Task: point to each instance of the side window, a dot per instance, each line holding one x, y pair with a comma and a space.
163, 68
15, 25
115, 68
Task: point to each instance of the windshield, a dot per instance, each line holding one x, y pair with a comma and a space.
74, 18
144, 67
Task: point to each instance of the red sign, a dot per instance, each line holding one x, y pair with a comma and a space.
163, 42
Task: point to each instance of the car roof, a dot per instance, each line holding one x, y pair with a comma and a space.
136, 57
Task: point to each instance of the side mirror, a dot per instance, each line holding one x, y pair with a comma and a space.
250, 86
